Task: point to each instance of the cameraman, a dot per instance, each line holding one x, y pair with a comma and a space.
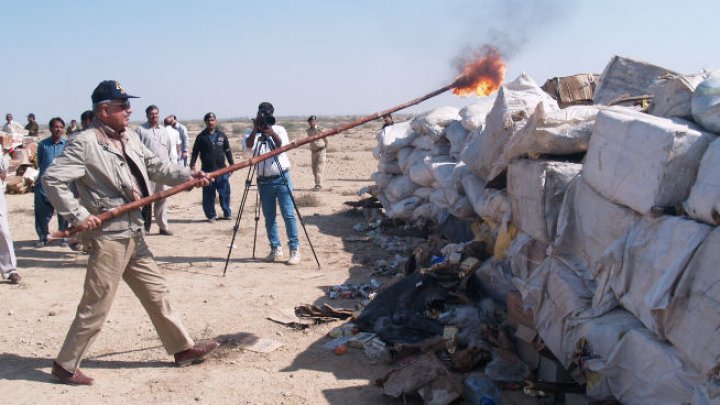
271, 182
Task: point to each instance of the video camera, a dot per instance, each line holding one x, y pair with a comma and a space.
263, 120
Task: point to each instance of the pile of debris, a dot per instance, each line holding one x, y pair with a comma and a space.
595, 230
21, 173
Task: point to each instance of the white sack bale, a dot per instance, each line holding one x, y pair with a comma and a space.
642, 161
643, 369
442, 170
655, 254
377, 152
391, 167
703, 204
462, 208
422, 212
514, 104
424, 142
402, 157
587, 225
432, 123
554, 132
705, 104
437, 198
381, 179
456, 134
556, 295
417, 155
394, 137
421, 174
525, 255
453, 188
487, 203
693, 319
536, 189
473, 116
400, 188
403, 209
624, 77
672, 95
423, 192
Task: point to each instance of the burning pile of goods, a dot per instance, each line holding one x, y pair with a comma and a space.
598, 211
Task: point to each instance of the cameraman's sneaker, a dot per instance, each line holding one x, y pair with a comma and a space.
276, 255
294, 257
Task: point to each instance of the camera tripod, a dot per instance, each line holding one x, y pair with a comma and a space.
263, 141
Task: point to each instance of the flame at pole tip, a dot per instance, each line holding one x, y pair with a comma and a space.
481, 73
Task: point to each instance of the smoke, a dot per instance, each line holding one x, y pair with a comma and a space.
510, 25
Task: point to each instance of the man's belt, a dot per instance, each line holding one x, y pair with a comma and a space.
271, 178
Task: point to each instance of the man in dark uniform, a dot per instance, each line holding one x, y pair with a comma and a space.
213, 147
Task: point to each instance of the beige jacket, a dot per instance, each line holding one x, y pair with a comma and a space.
320, 144
103, 181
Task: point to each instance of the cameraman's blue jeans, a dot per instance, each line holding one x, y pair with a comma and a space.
222, 186
272, 193
44, 212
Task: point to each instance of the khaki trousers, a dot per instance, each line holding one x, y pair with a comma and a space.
318, 166
109, 261
160, 208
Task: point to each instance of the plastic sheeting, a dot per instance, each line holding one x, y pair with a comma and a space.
536, 189
525, 254
473, 116
642, 161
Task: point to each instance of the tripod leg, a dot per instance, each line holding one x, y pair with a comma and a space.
243, 199
257, 217
300, 217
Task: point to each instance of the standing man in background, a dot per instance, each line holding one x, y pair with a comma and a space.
184, 140
174, 140
86, 119
318, 152
10, 126
8, 262
32, 125
157, 139
213, 147
48, 150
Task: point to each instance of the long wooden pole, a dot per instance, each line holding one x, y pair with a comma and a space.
190, 184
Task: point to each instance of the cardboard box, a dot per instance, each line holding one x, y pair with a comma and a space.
515, 314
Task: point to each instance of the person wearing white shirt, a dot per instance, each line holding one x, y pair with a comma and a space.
274, 182
8, 262
12, 127
174, 140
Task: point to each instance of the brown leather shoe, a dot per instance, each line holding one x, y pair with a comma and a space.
196, 354
76, 378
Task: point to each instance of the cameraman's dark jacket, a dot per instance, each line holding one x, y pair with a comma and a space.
212, 154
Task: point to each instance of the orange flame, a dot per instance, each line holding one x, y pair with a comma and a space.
482, 74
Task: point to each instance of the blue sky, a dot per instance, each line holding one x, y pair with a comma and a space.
320, 57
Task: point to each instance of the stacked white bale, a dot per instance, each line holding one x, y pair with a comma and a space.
672, 95
705, 103
692, 320
415, 170
514, 104
553, 132
536, 190
643, 369
625, 77
703, 203
642, 274
587, 225
642, 161
556, 296
526, 254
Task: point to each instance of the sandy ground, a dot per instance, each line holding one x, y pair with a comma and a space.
127, 360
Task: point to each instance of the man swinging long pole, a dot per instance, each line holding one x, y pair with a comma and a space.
190, 184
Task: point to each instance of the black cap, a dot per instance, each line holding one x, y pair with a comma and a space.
109, 90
